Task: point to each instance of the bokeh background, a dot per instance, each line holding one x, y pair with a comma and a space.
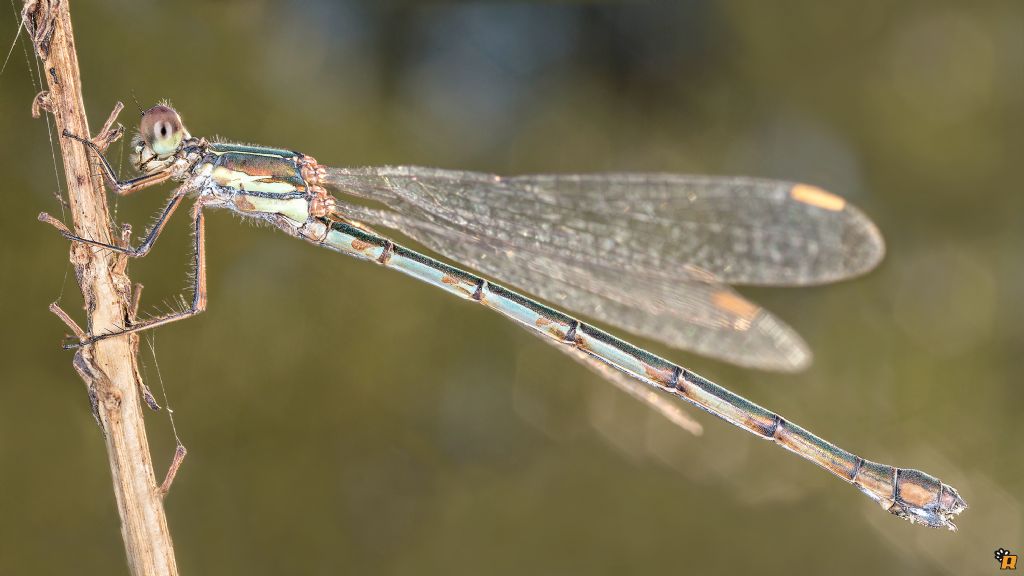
343, 418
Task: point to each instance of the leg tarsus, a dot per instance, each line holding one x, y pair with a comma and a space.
144, 325
108, 171
198, 295
121, 187
147, 242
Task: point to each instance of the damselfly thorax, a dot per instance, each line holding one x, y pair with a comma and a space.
283, 187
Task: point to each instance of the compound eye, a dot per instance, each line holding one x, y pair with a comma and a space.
162, 129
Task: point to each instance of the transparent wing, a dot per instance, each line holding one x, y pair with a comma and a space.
697, 314
580, 260
741, 230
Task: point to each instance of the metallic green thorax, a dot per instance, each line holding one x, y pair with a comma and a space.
258, 179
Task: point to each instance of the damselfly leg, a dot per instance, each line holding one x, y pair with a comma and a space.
121, 187
147, 242
198, 285
199, 240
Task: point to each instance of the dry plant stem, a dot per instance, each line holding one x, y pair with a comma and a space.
109, 367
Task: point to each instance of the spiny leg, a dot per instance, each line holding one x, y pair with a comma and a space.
147, 242
199, 288
122, 187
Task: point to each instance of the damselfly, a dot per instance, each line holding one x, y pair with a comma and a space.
649, 253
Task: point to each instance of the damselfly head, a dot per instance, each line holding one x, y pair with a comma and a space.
162, 130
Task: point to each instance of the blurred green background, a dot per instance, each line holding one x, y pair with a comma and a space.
343, 418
